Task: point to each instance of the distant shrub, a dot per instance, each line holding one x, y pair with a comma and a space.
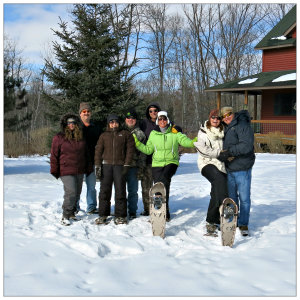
18, 143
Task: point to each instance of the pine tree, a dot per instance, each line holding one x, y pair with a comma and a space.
88, 69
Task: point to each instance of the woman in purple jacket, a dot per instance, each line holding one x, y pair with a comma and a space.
69, 161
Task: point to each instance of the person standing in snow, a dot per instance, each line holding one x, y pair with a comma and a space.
70, 160
210, 146
147, 125
113, 156
239, 143
163, 144
137, 165
91, 133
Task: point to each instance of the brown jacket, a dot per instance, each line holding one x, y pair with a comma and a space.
114, 147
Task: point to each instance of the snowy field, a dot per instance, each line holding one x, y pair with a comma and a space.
44, 258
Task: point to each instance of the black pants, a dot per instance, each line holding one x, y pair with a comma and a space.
164, 175
112, 175
218, 192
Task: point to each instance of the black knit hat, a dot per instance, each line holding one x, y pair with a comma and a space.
131, 113
112, 117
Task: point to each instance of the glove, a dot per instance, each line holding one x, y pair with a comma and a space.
224, 155
137, 142
195, 139
176, 129
125, 170
55, 175
98, 171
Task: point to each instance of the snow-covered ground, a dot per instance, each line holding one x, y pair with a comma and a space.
44, 258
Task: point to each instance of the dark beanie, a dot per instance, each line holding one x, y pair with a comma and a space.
131, 113
84, 105
113, 117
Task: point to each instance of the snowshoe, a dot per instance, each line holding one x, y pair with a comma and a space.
158, 209
120, 220
101, 221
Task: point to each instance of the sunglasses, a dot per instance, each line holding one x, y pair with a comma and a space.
113, 121
215, 117
85, 111
162, 118
72, 122
152, 111
227, 115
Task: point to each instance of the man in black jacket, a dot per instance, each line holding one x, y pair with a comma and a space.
238, 143
91, 133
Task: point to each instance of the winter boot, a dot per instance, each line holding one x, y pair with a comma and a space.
65, 221
120, 220
244, 230
101, 220
211, 229
93, 212
132, 216
73, 218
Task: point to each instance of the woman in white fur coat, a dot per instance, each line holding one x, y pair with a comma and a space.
209, 146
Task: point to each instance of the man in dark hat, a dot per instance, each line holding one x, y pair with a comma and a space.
138, 164
91, 133
113, 156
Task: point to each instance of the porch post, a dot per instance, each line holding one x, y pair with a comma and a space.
218, 100
246, 100
255, 107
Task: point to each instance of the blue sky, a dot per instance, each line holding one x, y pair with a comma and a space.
30, 26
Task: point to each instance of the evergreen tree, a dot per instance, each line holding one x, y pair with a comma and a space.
87, 68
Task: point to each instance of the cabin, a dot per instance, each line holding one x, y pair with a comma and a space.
276, 84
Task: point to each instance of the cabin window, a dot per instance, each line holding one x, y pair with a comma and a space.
285, 105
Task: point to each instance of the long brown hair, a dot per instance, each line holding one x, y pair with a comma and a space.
75, 134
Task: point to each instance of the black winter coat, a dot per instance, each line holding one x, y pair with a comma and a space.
91, 134
239, 140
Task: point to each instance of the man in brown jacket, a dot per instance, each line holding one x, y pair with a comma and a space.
113, 155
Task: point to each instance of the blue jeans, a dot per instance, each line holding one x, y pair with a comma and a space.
91, 199
132, 188
239, 185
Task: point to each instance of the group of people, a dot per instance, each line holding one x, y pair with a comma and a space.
148, 151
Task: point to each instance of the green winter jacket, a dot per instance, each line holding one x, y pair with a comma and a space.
164, 147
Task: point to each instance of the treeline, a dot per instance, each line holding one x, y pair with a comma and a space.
116, 56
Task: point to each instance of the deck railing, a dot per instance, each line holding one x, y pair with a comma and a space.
285, 130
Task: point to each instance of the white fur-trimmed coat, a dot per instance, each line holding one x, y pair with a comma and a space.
209, 146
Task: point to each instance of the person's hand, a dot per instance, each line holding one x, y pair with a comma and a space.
137, 142
224, 155
125, 170
176, 129
195, 139
98, 171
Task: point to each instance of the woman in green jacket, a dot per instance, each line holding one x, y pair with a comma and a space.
164, 143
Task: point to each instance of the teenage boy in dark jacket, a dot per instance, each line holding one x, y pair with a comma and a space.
113, 155
239, 143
